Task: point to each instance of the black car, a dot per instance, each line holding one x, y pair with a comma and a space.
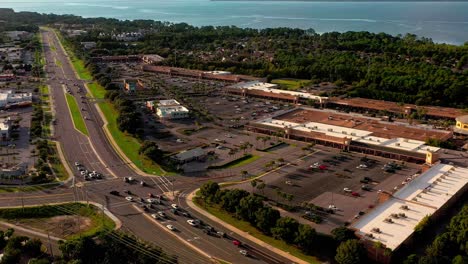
114, 193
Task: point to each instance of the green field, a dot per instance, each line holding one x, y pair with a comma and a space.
78, 120
39, 217
28, 188
242, 161
291, 84
246, 227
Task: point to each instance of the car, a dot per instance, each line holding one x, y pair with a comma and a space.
192, 222
152, 200
186, 214
243, 252
355, 194
129, 198
323, 167
348, 190
175, 206
83, 173
114, 192
155, 216
150, 195
171, 227
221, 234
332, 206
77, 163
161, 214
175, 211
142, 183
366, 187
127, 191
236, 242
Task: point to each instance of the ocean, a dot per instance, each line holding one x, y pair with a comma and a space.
443, 22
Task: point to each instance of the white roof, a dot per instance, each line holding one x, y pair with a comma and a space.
424, 195
168, 102
270, 87
355, 134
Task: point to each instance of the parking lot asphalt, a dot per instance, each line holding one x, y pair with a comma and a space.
324, 187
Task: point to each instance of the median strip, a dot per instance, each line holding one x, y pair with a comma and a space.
78, 121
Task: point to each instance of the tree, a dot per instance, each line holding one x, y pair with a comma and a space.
285, 229
231, 199
350, 252
248, 206
341, 234
266, 219
411, 259
253, 183
209, 190
261, 187
306, 238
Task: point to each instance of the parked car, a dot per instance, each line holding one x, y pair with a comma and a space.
115, 193
171, 227
175, 206
348, 190
355, 194
129, 198
366, 187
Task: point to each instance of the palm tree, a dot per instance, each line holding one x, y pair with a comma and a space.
244, 174
261, 187
254, 184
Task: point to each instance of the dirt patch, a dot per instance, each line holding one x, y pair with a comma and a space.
60, 226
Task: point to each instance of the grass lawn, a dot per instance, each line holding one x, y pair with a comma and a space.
80, 68
291, 84
78, 120
97, 90
57, 165
54, 218
246, 227
244, 160
128, 144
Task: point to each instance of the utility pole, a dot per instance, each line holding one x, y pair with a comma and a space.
50, 244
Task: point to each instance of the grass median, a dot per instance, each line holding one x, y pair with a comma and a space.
246, 227
78, 120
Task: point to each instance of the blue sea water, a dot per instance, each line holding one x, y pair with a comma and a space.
442, 21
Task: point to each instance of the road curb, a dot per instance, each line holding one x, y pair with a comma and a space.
64, 162
243, 234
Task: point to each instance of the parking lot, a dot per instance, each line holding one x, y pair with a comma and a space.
321, 178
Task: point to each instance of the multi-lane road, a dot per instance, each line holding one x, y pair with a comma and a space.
190, 244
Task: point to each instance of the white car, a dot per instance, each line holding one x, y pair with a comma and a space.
347, 190
161, 214
155, 216
175, 206
192, 222
151, 200
332, 206
171, 227
77, 163
129, 198
83, 173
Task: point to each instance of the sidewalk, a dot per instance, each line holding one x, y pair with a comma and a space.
240, 232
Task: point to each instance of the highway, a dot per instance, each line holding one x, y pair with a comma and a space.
95, 153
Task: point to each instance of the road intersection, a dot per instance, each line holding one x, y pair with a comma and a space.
190, 244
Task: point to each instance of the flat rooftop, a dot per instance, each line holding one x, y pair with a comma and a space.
377, 128
272, 89
446, 112
170, 102
422, 196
